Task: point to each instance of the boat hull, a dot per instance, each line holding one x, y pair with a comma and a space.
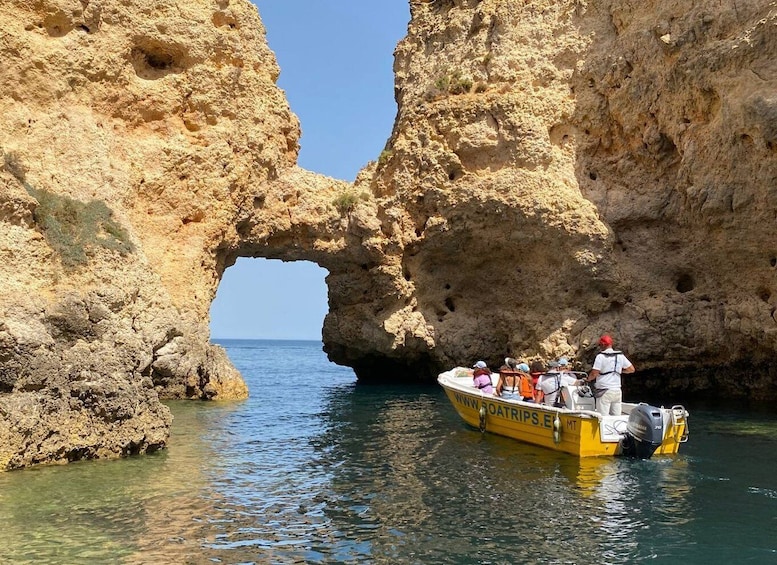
577, 432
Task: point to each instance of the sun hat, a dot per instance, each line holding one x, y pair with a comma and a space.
605, 340
480, 365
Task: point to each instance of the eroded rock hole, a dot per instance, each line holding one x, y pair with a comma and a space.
222, 19
152, 59
666, 146
159, 61
243, 228
450, 305
593, 176
685, 283
764, 294
773, 261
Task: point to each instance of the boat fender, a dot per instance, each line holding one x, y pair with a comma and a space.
482, 413
557, 429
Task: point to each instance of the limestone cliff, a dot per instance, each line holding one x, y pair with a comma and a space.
134, 136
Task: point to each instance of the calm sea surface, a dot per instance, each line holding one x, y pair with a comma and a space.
314, 468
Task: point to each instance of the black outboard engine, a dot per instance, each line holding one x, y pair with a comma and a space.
644, 432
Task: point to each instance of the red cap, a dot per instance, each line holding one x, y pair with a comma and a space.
605, 341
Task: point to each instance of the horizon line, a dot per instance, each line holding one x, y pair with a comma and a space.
267, 338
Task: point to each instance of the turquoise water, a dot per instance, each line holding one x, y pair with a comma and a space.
316, 469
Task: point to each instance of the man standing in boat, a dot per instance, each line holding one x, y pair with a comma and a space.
607, 369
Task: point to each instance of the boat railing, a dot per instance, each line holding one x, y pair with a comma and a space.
450, 379
680, 414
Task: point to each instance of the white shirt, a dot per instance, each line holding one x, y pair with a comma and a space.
550, 383
610, 364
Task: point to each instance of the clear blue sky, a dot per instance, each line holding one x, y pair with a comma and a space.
336, 59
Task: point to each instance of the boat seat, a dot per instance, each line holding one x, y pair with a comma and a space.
574, 401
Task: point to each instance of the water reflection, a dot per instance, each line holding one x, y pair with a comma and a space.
171, 507
421, 472
184, 510
375, 475
65, 517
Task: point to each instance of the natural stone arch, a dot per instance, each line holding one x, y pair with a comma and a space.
538, 187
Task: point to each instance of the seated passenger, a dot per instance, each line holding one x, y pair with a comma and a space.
537, 369
527, 387
551, 382
508, 384
564, 366
514, 381
481, 377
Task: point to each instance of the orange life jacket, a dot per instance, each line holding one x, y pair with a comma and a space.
527, 389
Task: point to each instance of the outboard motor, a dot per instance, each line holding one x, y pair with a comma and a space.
644, 432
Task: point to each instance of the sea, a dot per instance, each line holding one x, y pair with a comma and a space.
317, 468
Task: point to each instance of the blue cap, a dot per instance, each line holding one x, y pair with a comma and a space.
563, 361
523, 367
480, 365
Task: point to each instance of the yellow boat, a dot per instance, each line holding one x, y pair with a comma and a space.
577, 429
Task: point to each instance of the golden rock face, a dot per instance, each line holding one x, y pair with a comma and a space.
561, 169
134, 136
556, 170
